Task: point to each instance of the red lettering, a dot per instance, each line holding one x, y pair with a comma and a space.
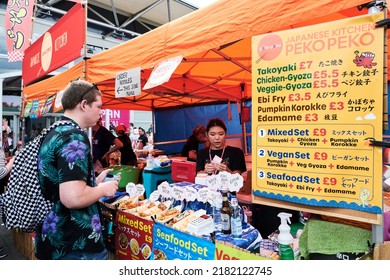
222, 256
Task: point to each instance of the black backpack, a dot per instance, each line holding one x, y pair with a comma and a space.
22, 205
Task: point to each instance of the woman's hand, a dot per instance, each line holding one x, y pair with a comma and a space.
221, 167
210, 168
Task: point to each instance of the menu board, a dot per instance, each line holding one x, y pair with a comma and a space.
317, 100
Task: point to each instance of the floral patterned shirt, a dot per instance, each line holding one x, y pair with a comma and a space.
65, 155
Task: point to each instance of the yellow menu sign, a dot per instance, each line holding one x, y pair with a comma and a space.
317, 100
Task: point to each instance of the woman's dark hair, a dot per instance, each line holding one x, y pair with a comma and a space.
216, 122
199, 130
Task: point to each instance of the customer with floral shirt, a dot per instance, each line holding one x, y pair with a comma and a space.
72, 230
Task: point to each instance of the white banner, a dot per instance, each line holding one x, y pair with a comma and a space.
163, 72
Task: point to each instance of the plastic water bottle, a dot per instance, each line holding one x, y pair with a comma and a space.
217, 218
236, 221
150, 161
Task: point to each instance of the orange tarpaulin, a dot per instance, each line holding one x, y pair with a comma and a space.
216, 45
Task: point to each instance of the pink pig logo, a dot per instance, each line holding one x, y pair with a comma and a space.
365, 59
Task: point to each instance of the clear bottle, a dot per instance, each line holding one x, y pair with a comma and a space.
150, 161
236, 221
217, 218
226, 213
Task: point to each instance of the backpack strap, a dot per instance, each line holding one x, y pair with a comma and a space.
57, 124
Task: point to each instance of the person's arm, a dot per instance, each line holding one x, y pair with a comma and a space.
116, 146
138, 145
5, 170
192, 155
10, 163
77, 194
199, 162
141, 143
98, 167
75, 188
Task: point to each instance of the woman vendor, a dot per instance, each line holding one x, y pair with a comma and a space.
219, 156
191, 146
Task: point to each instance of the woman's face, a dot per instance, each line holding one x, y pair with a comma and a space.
216, 136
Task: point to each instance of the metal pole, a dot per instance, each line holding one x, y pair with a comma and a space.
85, 5
377, 230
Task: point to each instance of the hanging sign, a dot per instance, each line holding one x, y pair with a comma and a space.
18, 21
48, 104
317, 98
61, 44
163, 72
58, 102
128, 83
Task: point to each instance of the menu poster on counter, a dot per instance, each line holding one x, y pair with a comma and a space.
171, 244
133, 237
229, 252
317, 96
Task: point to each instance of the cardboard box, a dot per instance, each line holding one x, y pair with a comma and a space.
382, 251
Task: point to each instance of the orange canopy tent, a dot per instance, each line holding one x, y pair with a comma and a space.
216, 45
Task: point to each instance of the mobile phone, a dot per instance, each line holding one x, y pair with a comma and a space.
111, 177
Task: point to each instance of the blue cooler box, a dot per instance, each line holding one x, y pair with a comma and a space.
152, 177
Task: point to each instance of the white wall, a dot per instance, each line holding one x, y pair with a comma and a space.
141, 118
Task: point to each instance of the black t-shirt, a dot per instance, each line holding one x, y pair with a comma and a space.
192, 144
101, 143
144, 139
233, 156
128, 156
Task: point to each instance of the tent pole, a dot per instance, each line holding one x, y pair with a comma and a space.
377, 230
85, 4
153, 125
245, 140
243, 124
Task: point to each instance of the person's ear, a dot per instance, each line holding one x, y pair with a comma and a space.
83, 104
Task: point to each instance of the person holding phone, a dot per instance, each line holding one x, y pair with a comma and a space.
219, 156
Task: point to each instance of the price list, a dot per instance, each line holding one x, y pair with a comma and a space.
317, 96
